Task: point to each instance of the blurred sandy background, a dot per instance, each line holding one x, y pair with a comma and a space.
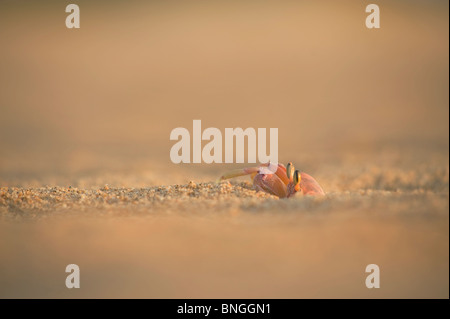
364, 111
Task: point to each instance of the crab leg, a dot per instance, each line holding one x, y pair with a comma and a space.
240, 172
280, 172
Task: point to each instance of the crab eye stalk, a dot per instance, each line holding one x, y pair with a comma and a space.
297, 177
290, 170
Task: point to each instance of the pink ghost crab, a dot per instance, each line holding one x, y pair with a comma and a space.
285, 182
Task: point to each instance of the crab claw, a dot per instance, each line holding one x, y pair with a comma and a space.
271, 184
280, 171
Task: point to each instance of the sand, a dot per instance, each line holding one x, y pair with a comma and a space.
224, 197
227, 240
